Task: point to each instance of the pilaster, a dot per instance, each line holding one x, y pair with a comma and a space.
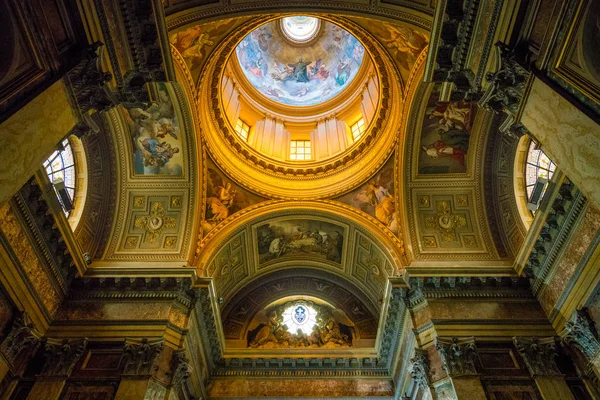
460, 363
140, 363
61, 357
539, 356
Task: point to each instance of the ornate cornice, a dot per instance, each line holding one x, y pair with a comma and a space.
561, 218
469, 287
46, 235
120, 288
227, 10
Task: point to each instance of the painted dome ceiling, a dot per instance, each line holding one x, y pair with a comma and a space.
300, 61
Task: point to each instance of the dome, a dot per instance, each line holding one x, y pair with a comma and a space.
299, 60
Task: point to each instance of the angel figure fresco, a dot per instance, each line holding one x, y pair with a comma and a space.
454, 114
282, 72
405, 42
377, 198
152, 127
193, 42
318, 71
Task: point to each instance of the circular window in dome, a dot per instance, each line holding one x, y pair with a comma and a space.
300, 28
300, 75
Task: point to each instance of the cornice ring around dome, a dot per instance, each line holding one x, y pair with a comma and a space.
300, 180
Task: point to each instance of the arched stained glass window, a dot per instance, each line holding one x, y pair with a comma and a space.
538, 165
61, 166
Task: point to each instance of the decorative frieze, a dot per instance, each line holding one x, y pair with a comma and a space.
539, 355
140, 357
458, 355
61, 356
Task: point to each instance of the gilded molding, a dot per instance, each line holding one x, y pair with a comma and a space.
287, 180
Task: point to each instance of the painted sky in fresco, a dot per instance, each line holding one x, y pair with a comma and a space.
300, 75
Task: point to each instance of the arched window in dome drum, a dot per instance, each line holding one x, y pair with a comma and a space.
538, 165
60, 166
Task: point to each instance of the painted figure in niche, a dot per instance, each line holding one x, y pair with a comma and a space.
155, 134
453, 143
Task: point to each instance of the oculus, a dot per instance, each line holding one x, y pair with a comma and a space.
300, 29
305, 62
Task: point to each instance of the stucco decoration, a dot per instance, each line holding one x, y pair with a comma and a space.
300, 72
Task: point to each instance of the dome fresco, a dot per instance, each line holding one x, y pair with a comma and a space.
294, 68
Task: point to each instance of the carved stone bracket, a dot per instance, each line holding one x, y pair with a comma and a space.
579, 331
139, 18
415, 293
420, 370
538, 354
88, 82
23, 340
458, 355
61, 356
506, 89
141, 356
451, 38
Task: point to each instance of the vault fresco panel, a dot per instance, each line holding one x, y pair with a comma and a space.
297, 239
156, 134
445, 136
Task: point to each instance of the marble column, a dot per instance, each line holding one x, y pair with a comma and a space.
61, 357
460, 359
136, 380
539, 357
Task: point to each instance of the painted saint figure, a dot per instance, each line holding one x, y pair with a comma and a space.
453, 143
300, 72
